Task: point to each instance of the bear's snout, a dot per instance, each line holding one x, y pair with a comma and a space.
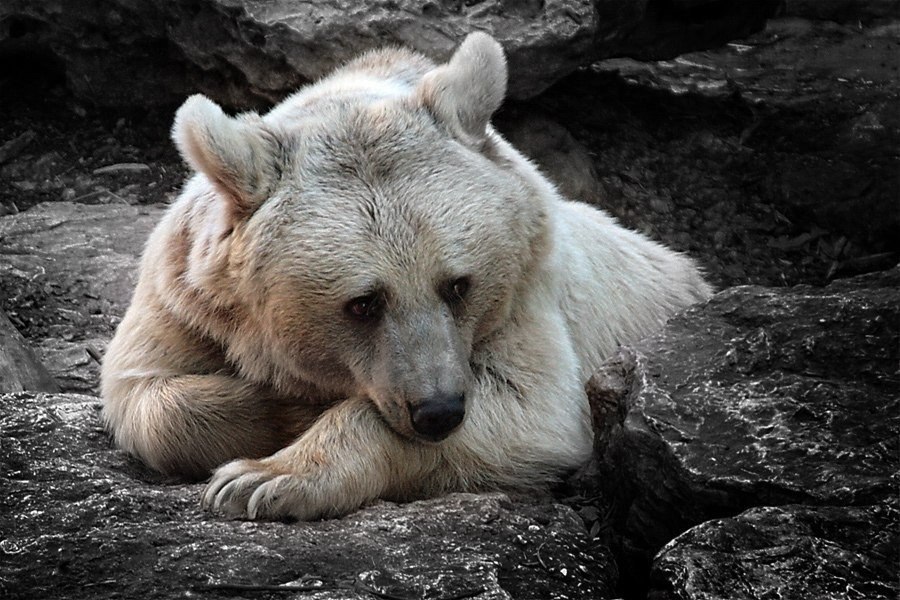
435, 417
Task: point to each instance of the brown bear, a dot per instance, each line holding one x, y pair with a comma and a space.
368, 293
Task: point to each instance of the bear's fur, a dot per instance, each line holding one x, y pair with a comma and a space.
347, 272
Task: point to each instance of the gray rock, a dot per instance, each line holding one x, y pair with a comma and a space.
244, 52
822, 552
66, 278
75, 364
761, 397
85, 252
79, 519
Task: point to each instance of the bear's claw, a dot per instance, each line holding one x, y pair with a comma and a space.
252, 489
231, 487
276, 498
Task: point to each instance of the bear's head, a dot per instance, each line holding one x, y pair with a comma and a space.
375, 231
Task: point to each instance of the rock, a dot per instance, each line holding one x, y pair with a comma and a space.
75, 365
761, 397
79, 519
246, 53
67, 274
675, 27
19, 367
822, 552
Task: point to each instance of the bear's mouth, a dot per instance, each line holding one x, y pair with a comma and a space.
436, 438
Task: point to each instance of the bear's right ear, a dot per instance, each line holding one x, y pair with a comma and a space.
235, 153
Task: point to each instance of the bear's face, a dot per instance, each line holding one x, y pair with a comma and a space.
380, 239
387, 253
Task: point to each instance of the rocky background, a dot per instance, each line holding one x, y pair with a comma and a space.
749, 450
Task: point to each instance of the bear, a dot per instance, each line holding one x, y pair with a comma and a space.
366, 293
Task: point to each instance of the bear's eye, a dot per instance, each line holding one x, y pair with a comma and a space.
456, 290
365, 308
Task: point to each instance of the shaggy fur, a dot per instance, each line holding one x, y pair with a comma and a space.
382, 186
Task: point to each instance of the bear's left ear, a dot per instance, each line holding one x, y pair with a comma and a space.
464, 93
237, 154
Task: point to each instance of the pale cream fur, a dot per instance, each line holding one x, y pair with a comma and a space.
385, 176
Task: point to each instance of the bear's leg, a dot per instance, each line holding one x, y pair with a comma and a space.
347, 458
187, 425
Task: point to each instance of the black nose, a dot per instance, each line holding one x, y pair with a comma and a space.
435, 417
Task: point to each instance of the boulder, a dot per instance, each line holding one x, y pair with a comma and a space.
761, 397
245, 53
79, 519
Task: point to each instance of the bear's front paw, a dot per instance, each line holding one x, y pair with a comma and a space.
258, 489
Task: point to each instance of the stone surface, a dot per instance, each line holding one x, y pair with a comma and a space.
79, 519
248, 52
761, 397
822, 552
66, 277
